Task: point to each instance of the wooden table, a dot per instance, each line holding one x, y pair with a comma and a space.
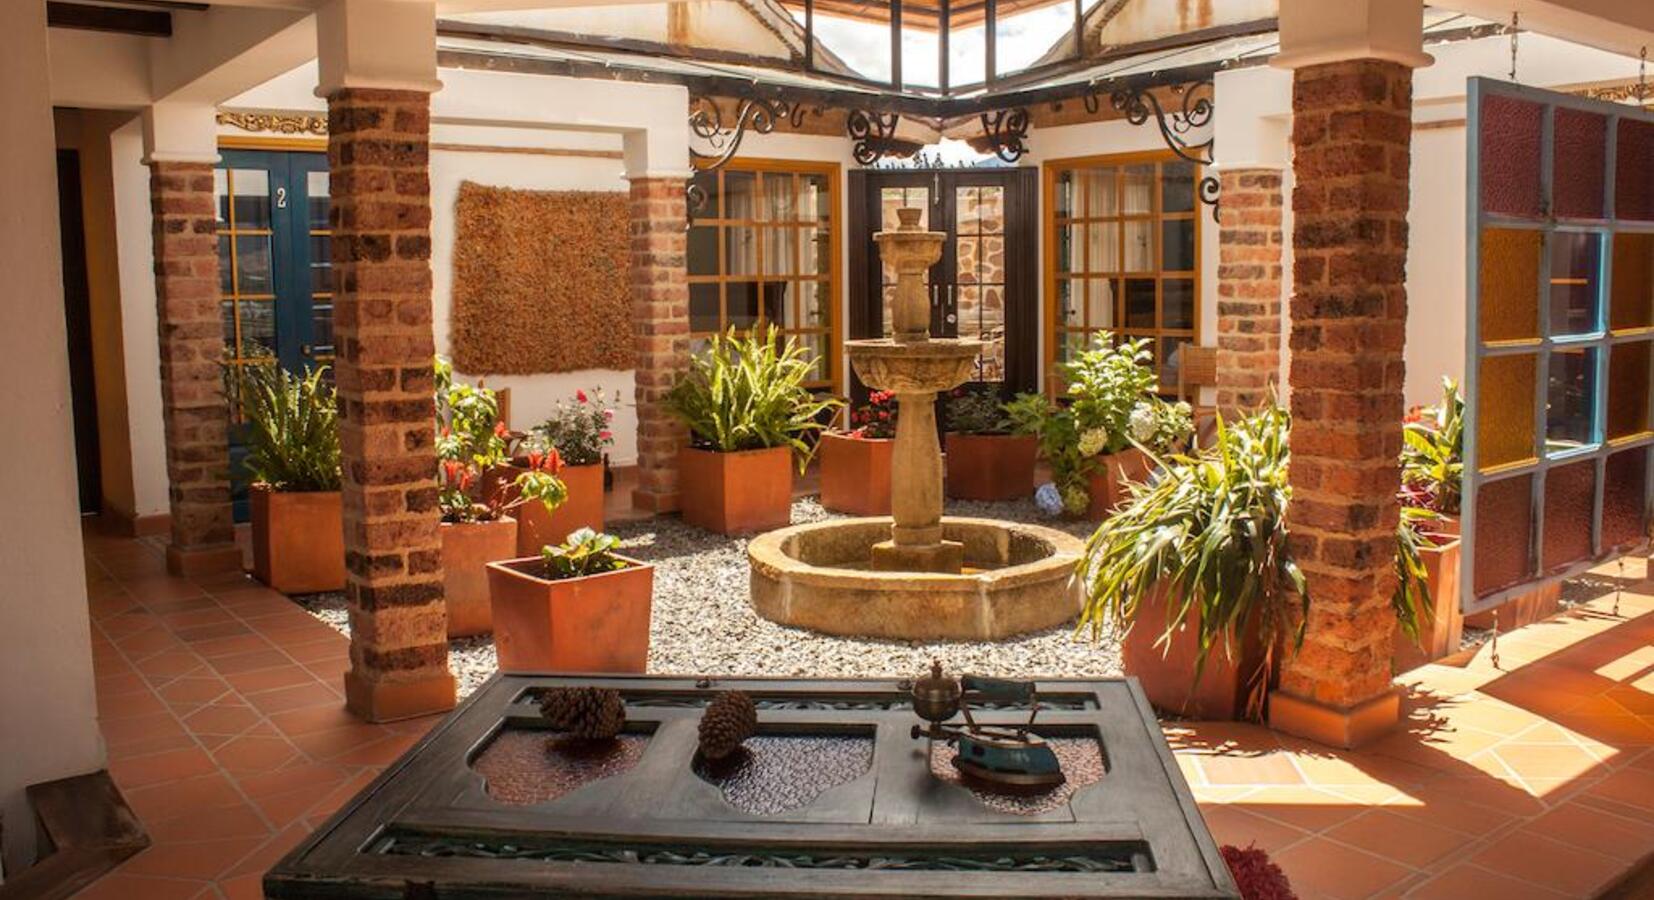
836, 799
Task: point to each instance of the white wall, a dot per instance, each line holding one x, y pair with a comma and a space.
140, 330
47, 703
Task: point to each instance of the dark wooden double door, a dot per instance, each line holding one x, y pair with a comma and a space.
985, 284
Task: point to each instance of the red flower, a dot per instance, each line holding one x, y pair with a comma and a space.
884, 414
553, 461
580, 395
500, 430
451, 469
534, 459
605, 435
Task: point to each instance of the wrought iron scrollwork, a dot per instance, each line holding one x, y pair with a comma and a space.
1185, 127
706, 121
1005, 133
875, 136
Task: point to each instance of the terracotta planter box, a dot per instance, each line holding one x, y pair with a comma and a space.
467, 549
736, 493
599, 623
1167, 672
1442, 635
1526, 609
583, 509
990, 466
855, 474
1108, 482
298, 540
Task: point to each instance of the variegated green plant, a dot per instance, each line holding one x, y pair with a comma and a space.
1209, 534
747, 393
292, 434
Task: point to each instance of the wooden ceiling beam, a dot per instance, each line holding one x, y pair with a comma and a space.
119, 19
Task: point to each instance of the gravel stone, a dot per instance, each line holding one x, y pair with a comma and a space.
703, 622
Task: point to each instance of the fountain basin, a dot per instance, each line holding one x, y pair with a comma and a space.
915, 367
1018, 578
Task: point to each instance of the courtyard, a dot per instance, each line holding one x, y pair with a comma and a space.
923, 448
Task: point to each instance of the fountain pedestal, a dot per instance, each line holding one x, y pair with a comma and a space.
914, 367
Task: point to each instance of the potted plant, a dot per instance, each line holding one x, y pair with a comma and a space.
579, 607
1198, 561
855, 464
1427, 568
748, 413
987, 459
475, 530
292, 440
1095, 442
578, 430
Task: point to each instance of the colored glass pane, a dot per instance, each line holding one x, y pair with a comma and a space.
1570, 399
1509, 284
1576, 265
1504, 420
1634, 171
1632, 305
1510, 152
1629, 374
1624, 489
1504, 521
1570, 507
1578, 164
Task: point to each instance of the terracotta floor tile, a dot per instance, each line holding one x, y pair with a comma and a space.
1262, 769
1548, 863
1465, 881
118, 683
118, 885
230, 646
260, 860
213, 632
129, 705
223, 718
318, 778
1633, 786
249, 662
1439, 807
379, 753
1321, 868
260, 680
159, 768
196, 690
168, 665
213, 614
204, 860
1402, 839
188, 798
1635, 700
146, 643
254, 754
296, 697
244, 887
334, 647
1307, 808
1581, 826
181, 605
1232, 825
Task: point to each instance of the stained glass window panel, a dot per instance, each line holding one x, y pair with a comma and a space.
1509, 284
1504, 425
1629, 375
1634, 171
1632, 305
1570, 508
1578, 164
1624, 489
1504, 524
1510, 155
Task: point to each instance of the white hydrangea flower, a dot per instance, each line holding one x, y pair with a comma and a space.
1092, 442
1144, 423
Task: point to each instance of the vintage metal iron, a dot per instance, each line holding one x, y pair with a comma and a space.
1008, 759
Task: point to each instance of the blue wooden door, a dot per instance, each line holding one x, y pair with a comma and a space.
274, 270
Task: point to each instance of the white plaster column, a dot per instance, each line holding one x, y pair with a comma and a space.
48, 712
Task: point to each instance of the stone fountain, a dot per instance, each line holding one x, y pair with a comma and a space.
916, 574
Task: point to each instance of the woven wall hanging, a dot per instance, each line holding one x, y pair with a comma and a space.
540, 281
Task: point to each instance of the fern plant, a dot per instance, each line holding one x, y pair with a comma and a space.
292, 426
748, 393
1210, 533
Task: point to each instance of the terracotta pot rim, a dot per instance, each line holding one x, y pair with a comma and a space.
710, 452
993, 434
504, 518
517, 569
265, 487
846, 436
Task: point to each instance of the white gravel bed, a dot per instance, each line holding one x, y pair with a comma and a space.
703, 622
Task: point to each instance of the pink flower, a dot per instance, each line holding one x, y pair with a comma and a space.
605, 435
580, 395
608, 415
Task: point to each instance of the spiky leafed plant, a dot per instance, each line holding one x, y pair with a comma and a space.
292, 426
1210, 533
748, 393
1412, 599
1432, 451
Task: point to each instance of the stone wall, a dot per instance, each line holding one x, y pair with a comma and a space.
1249, 289
660, 320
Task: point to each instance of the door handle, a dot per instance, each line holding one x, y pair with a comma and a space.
306, 350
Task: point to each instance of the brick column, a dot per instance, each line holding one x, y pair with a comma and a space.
378, 150
1351, 133
660, 319
194, 412
1249, 289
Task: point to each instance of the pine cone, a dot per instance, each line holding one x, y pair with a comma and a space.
729, 719
588, 713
